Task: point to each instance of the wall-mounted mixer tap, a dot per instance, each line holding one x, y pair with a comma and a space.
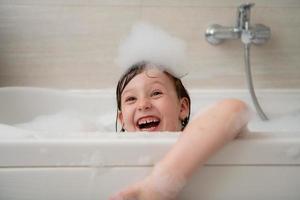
257, 34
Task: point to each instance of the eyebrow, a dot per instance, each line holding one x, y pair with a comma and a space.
126, 91
154, 82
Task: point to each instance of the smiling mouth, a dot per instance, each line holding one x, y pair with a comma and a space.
148, 123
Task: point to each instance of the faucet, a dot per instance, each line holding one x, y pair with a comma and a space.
243, 15
257, 34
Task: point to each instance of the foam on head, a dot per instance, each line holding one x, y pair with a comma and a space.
151, 44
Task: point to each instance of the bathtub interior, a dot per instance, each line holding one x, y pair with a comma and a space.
95, 110
38, 159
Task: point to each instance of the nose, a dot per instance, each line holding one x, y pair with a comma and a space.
144, 104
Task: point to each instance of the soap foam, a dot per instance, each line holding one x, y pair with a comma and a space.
10, 133
151, 44
64, 124
62, 121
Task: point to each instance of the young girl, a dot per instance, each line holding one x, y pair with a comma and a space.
152, 98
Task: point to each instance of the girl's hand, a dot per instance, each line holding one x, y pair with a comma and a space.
142, 190
130, 193
159, 185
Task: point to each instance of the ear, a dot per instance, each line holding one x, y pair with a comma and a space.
184, 108
120, 117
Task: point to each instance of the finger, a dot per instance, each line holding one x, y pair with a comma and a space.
131, 193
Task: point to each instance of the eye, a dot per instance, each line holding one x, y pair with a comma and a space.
156, 93
130, 99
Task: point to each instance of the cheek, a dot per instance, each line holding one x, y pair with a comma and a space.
171, 110
172, 106
128, 114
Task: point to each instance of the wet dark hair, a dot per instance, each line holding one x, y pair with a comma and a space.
139, 68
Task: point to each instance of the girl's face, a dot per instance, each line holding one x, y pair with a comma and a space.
149, 103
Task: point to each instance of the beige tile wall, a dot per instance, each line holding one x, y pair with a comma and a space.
73, 43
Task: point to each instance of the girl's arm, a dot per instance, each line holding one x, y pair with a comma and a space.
205, 134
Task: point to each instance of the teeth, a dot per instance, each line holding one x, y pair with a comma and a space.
147, 120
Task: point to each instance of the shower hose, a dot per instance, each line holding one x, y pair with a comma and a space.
259, 110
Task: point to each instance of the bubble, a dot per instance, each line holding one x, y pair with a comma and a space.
65, 124
151, 44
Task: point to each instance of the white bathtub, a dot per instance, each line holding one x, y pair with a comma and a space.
40, 165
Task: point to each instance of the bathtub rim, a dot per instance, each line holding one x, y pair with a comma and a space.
255, 148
